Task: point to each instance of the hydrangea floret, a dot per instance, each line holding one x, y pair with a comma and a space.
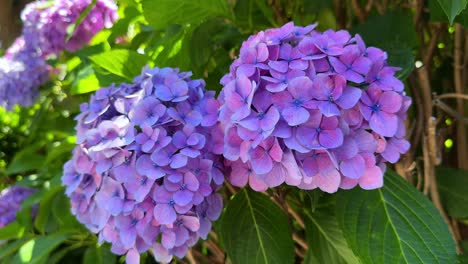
311, 109
148, 164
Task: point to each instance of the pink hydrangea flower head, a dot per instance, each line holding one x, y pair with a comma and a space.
311, 109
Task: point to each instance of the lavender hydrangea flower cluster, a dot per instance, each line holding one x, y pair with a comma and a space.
10, 202
15, 87
145, 173
24, 69
311, 109
46, 24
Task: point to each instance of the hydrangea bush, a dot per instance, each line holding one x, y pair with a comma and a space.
311, 109
147, 168
247, 160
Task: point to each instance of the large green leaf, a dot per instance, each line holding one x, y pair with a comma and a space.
99, 255
45, 208
161, 13
26, 160
253, 15
452, 8
12, 247
35, 250
453, 186
401, 57
326, 240
391, 28
12, 230
394, 224
255, 230
120, 62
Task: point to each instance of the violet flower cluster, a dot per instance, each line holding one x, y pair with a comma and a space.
311, 109
46, 24
15, 87
10, 202
148, 164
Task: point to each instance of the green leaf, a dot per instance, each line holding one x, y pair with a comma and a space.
161, 13
267, 11
255, 230
201, 41
26, 160
11, 247
120, 62
33, 251
394, 224
453, 186
403, 58
374, 29
12, 230
463, 18
463, 258
62, 214
452, 8
45, 208
253, 15
329, 244
99, 255
24, 215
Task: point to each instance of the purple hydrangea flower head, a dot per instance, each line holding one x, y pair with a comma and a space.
15, 87
148, 163
10, 202
46, 23
311, 109
45, 33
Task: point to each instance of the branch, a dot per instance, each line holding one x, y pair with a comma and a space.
452, 113
358, 10
432, 44
458, 79
300, 242
451, 95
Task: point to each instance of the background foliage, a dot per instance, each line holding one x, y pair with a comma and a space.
419, 216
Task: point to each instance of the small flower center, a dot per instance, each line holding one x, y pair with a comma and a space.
183, 187
330, 98
318, 129
297, 102
143, 181
375, 108
134, 222
261, 115
171, 202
